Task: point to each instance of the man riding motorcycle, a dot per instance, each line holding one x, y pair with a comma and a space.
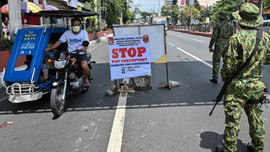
74, 39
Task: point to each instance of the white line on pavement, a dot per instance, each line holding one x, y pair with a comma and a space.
180, 35
267, 96
197, 40
115, 142
171, 44
195, 57
97, 46
3, 98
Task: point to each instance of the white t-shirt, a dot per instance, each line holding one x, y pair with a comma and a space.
74, 41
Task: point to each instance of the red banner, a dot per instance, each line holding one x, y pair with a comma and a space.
182, 2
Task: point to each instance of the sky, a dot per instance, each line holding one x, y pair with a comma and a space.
150, 5
207, 2
147, 5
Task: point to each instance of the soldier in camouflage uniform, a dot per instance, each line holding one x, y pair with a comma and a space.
220, 38
246, 89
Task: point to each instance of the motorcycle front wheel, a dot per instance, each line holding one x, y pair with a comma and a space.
57, 104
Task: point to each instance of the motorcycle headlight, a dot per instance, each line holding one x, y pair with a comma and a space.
60, 64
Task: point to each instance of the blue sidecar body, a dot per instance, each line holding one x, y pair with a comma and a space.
24, 84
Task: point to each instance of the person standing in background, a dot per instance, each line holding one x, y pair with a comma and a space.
223, 30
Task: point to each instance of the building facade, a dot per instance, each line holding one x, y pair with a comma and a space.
168, 2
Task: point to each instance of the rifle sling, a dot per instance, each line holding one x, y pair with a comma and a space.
228, 81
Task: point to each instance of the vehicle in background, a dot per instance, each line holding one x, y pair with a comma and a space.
159, 20
136, 22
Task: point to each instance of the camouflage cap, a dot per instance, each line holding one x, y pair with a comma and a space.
248, 15
223, 15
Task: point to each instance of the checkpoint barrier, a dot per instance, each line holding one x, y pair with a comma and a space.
141, 39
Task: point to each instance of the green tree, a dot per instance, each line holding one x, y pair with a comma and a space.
175, 14
185, 15
205, 13
144, 15
112, 10
228, 6
165, 10
89, 5
171, 11
266, 5
196, 4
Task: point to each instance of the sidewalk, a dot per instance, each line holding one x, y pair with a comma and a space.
205, 34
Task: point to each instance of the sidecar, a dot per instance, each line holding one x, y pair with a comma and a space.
27, 83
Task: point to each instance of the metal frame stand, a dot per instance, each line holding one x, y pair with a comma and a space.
122, 88
169, 85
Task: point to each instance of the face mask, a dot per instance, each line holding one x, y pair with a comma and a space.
76, 29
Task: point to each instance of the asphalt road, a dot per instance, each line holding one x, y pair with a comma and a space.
160, 120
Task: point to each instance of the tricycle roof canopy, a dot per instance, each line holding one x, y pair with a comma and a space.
67, 13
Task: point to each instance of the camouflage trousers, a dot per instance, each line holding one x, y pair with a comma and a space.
217, 54
234, 102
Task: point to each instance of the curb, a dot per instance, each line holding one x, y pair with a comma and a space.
195, 33
101, 39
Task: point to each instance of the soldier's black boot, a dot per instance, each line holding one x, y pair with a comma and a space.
213, 80
249, 147
219, 148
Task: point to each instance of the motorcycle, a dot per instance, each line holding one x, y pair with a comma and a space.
69, 78
32, 81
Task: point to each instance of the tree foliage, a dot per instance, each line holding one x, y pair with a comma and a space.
185, 15
172, 11
266, 5
112, 10
90, 5
205, 13
228, 6
196, 4
144, 15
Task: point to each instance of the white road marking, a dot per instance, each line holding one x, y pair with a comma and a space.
197, 40
194, 57
115, 142
171, 44
267, 96
3, 98
97, 46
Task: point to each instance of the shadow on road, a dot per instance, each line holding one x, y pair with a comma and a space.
210, 139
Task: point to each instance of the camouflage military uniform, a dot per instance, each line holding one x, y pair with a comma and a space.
247, 85
220, 37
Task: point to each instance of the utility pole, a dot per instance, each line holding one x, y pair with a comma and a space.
99, 15
96, 9
159, 14
1, 28
260, 5
190, 16
15, 18
43, 8
191, 3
